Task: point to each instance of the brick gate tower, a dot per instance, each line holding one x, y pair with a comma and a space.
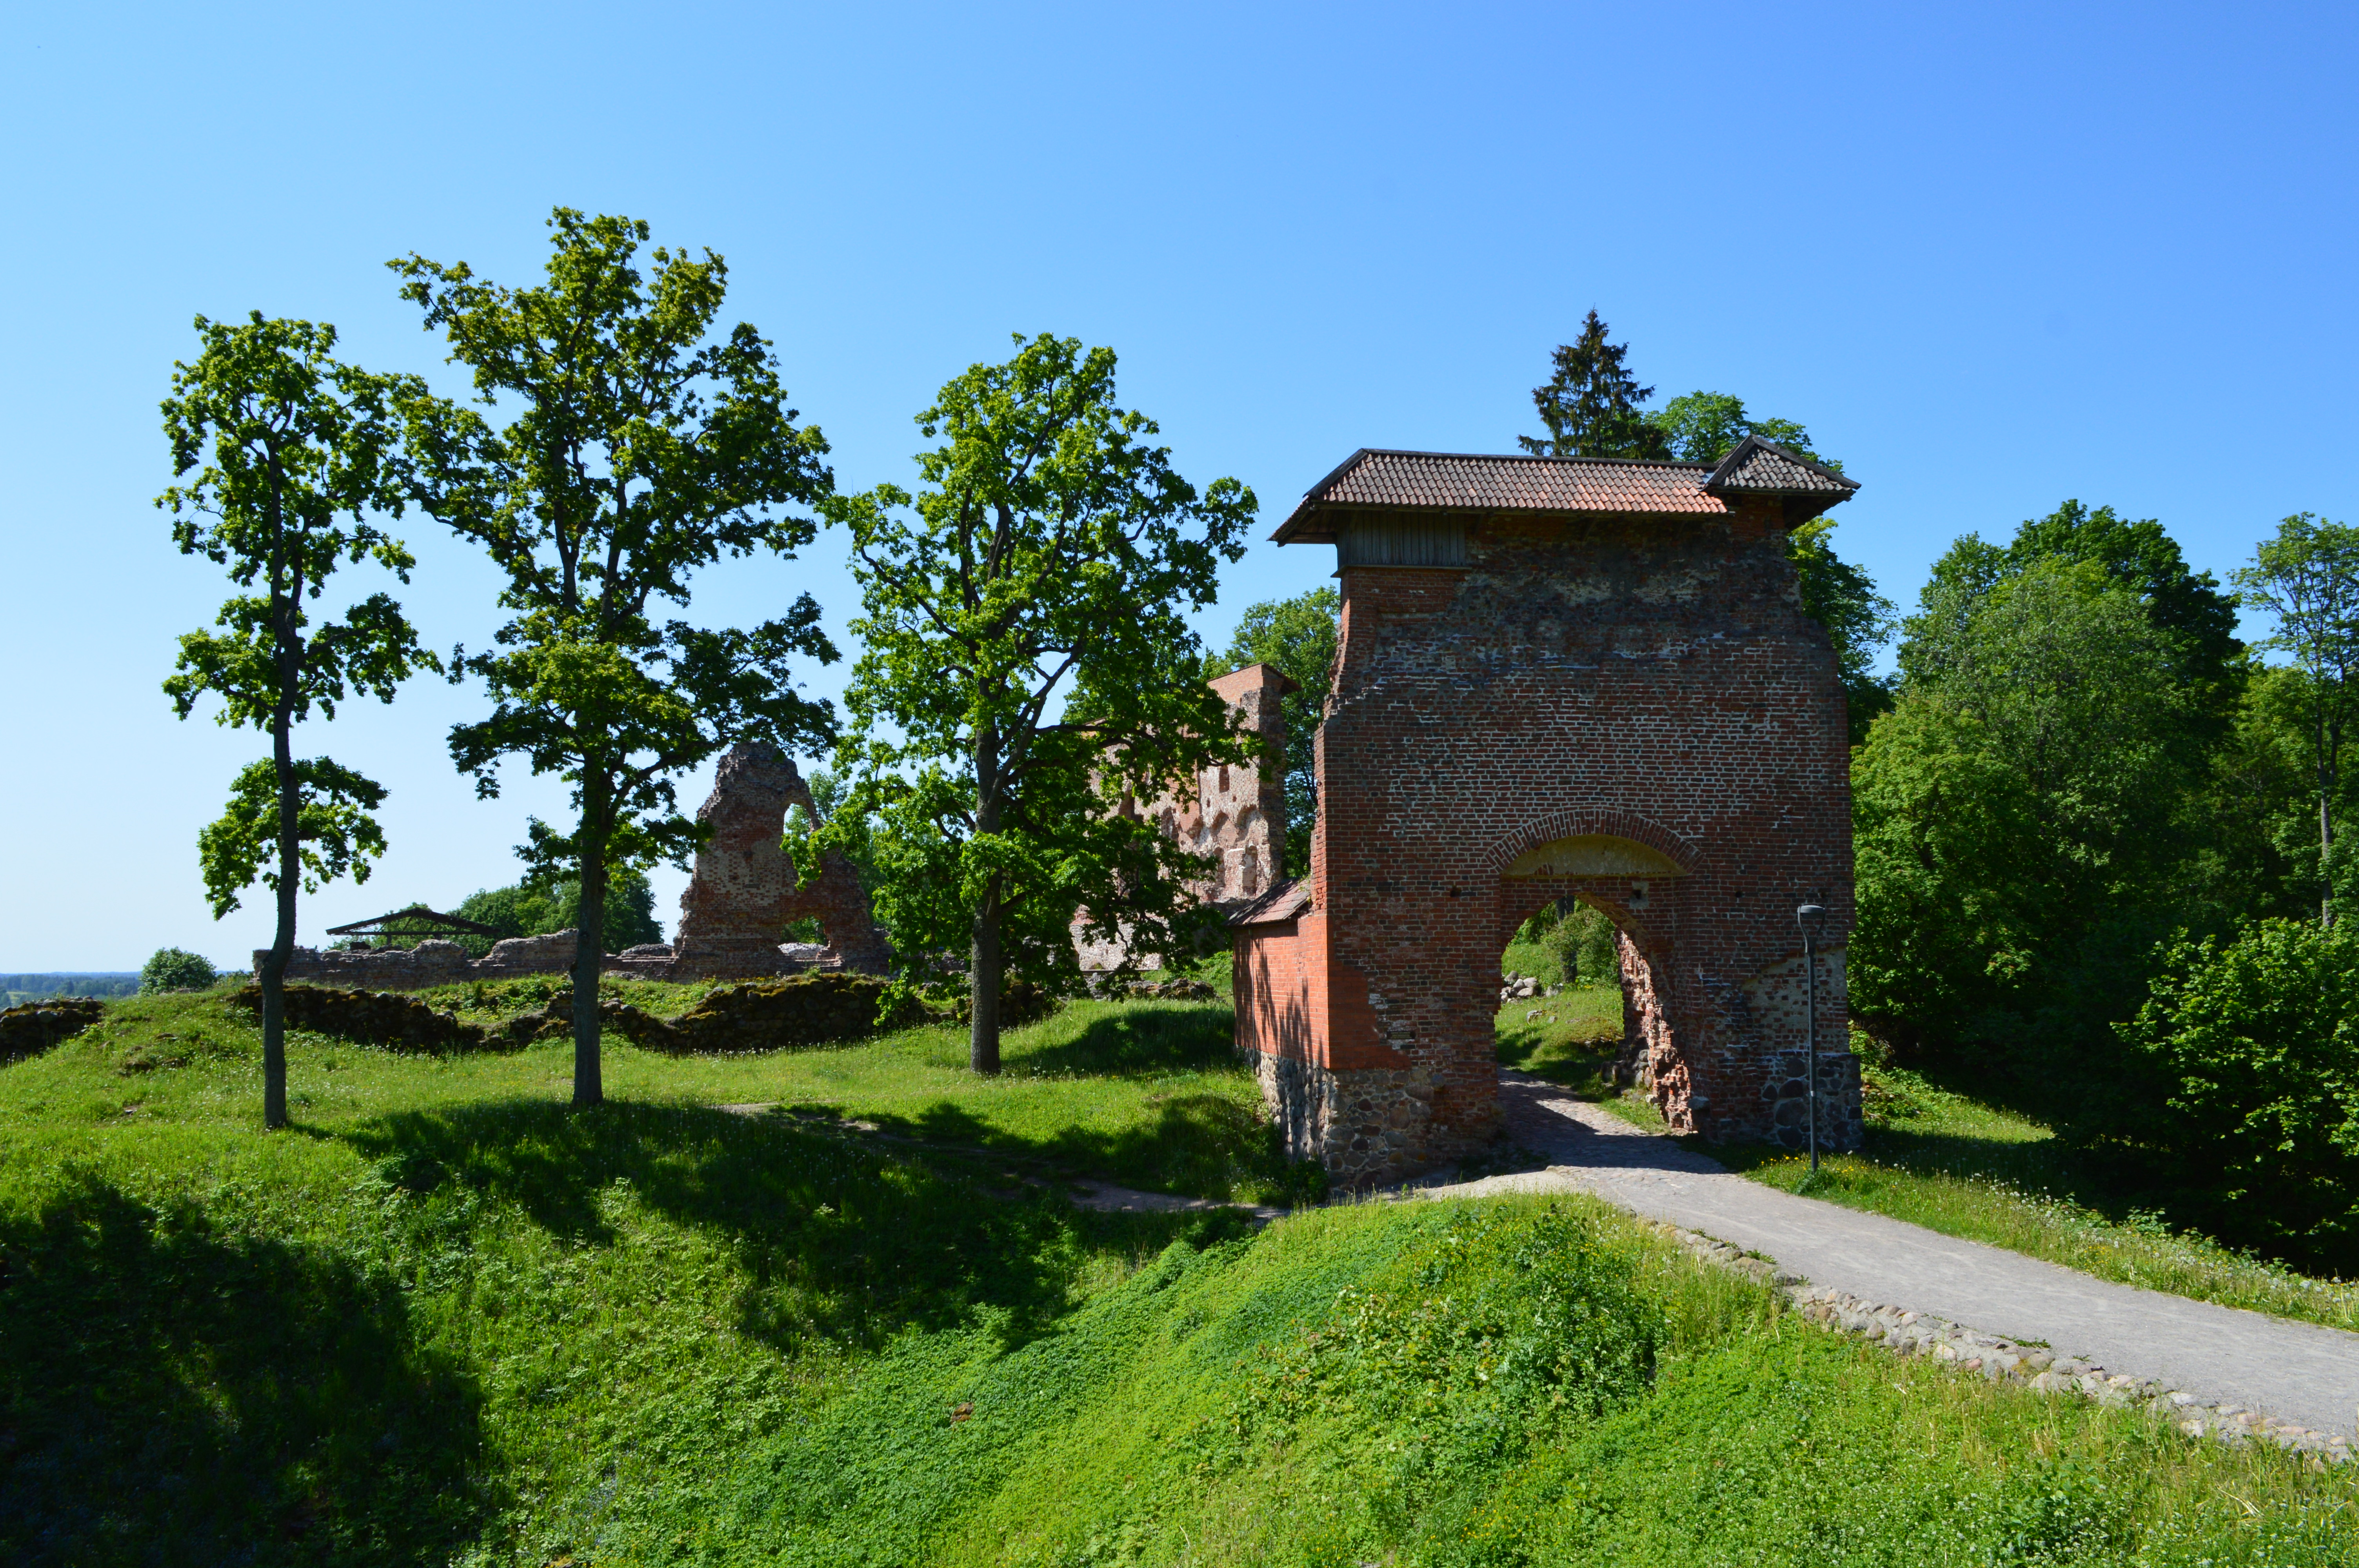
1560, 677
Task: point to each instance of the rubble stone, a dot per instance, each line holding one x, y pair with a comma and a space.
33, 1028
374, 1018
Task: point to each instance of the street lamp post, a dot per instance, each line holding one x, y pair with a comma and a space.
1810, 917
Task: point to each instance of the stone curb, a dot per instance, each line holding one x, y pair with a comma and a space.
1907, 1332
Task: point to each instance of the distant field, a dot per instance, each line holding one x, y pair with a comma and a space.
20, 989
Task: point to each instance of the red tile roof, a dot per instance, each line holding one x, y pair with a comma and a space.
1462, 481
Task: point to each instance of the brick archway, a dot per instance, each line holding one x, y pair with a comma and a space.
1558, 678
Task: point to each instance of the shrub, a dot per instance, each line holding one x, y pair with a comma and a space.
2255, 1045
172, 969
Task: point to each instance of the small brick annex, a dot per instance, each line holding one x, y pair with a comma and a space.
1560, 678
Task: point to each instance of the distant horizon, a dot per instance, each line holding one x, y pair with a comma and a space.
6, 975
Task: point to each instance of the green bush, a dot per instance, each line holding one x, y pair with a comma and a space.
2255, 1047
172, 969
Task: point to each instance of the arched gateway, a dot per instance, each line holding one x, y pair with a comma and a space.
1560, 676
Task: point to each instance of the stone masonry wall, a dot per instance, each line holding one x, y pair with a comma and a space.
741, 896
1235, 816
432, 963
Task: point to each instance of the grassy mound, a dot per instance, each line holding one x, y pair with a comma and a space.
445, 1319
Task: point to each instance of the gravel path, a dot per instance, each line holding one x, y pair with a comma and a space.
2297, 1372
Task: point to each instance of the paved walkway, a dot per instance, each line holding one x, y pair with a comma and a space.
2298, 1372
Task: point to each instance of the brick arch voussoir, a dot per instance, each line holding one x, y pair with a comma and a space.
1582, 822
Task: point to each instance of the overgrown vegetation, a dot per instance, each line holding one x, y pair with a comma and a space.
2073, 833
449, 1319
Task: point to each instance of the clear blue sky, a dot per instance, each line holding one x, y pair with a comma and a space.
1992, 256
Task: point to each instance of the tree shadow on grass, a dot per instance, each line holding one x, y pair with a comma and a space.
2038, 1169
842, 1239
1139, 1041
169, 1393
1202, 1145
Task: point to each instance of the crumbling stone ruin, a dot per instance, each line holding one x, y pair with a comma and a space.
1560, 677
740, 900
743, 895
429, 963
1235, 816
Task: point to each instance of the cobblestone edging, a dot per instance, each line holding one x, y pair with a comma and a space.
1969, 1351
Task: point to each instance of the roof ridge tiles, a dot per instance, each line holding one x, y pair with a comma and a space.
1520, 458
1396, 479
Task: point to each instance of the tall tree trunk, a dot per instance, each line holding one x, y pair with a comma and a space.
590, 946
986, 966
2329, 741
272, 981
2326, 860
985, 962
287, 651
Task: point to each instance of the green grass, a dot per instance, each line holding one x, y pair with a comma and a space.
1565, 1038
1956, 1165
1951, 1164
1148, 1094
445, 1319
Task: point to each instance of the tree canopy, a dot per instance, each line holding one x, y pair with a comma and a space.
528, 909
641, 448
1588, 405
1028, 669
2307, 577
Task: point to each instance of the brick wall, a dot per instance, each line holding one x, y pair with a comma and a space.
1628, 710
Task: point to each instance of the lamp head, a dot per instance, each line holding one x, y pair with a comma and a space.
1812, 918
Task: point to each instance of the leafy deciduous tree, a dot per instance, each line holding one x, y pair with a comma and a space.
2256, 1044
332, 826
176, 969
1052, 556
2018, 818
526, 909
284, 442
639, 452
1703, 426
2308, 577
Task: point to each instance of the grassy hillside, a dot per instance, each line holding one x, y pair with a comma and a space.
444, 1319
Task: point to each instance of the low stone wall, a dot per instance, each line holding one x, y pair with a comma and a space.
430, 963
373, 1018
29, 1029
446, 963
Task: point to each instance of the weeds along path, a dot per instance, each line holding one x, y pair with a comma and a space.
2300, 1372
